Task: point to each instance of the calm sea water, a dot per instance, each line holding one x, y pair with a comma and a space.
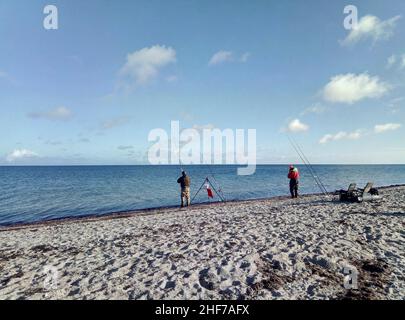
29, 194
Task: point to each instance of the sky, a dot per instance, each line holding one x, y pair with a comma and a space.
91, 91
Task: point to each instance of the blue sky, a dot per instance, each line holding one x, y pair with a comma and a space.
91, 91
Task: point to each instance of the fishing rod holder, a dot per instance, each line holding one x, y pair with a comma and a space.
207, 181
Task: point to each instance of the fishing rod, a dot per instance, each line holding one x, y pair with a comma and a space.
314, 172
307, 164
310, 166
180, 164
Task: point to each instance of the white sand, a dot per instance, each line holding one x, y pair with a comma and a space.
264, 249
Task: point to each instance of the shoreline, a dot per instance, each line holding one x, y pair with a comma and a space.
257, 249
150, 211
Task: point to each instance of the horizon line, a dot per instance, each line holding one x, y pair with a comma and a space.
184, 165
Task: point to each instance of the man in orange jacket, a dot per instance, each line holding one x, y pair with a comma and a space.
294, 176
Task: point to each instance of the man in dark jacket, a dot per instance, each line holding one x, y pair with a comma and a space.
184, 181
294, 176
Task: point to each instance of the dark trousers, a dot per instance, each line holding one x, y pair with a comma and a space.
294, 188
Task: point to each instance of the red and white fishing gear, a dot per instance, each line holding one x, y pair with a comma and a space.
209, 191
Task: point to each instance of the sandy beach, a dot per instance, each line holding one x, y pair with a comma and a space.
262, 249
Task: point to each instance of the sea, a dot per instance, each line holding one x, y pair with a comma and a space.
40, 193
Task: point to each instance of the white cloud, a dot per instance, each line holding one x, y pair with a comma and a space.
59, 113
371, 27
125, 147
402, 66
395, 104
19, 154
143, 65
172, 79
359, 133
245, 57
317, 108
391, 61
355, 135
297, 126
350, 88
379, 128
326, 138
342, 135
223, 56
